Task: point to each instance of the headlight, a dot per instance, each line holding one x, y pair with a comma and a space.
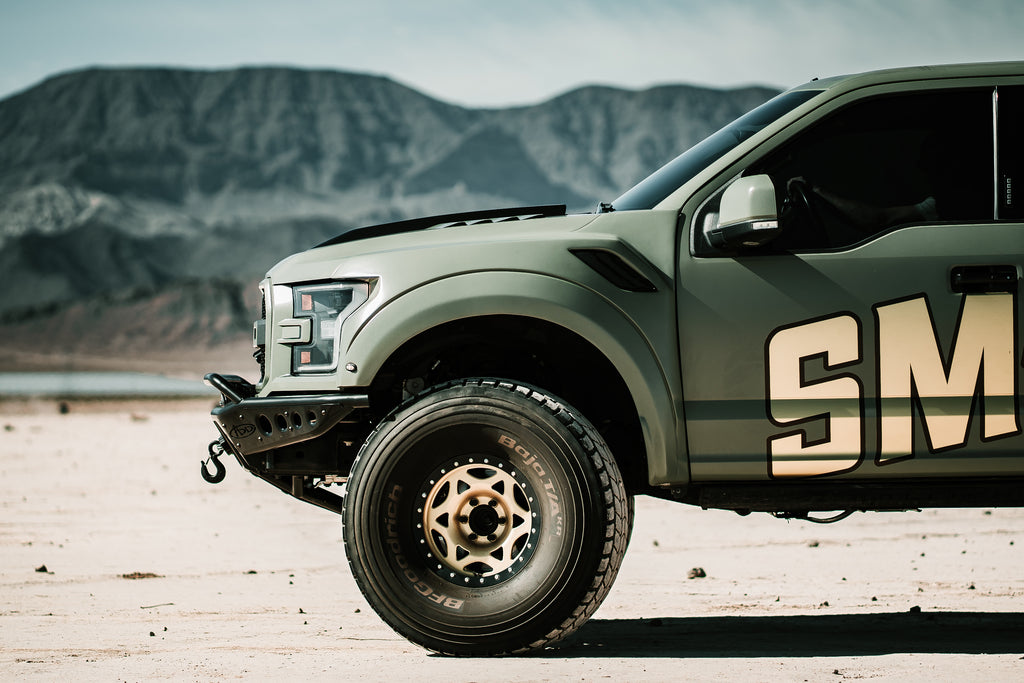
326, 307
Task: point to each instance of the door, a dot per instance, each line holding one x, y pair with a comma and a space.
880, 334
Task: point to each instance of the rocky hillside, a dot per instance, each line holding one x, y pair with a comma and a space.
138, 182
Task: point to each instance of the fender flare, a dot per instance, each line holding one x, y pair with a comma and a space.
382, 330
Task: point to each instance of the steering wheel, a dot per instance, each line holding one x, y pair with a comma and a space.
806, 229
800, 197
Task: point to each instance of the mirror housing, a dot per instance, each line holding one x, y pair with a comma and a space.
747, 216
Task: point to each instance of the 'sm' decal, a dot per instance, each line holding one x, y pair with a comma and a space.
913, 378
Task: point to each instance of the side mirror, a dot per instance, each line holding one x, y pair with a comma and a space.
747, 216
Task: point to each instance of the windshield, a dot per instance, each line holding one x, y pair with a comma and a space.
660, 184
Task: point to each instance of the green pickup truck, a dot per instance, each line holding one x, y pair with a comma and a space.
814, 311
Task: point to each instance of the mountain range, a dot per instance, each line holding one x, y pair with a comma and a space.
138, 207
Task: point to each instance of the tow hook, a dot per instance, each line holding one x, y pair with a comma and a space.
216, 450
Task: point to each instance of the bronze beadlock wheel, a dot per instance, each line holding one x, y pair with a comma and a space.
478, 524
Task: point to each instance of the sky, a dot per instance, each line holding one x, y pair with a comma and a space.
482, 53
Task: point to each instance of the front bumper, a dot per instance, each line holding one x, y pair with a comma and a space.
252, 425
287, 441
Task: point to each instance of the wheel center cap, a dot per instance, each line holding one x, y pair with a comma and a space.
483, 520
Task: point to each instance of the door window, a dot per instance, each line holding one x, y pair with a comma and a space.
883, 163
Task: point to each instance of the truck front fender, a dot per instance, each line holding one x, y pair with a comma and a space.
587, 313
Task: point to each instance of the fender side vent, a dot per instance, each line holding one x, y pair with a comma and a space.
615, 269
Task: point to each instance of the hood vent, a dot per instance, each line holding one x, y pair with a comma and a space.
447, 221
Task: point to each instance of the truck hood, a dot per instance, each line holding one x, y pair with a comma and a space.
361, 248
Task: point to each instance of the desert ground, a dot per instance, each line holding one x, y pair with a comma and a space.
118, 562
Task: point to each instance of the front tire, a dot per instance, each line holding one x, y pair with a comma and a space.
484, 517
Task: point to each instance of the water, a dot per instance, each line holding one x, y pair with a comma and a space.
97, 385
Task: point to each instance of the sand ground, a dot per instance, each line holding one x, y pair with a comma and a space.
118, 562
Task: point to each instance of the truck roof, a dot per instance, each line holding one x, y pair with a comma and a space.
915, 73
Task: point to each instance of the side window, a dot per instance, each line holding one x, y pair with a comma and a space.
882, 163
886, 162
1010, 153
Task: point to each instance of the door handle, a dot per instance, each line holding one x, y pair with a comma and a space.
984, 279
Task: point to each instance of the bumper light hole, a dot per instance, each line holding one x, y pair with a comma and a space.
264, 425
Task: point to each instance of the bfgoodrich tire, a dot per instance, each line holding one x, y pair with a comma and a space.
484, 518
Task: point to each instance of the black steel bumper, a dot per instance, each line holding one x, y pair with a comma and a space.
267, 435
253, 425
